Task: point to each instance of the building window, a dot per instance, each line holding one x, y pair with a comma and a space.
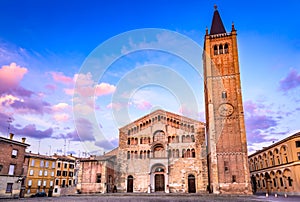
224, 94
56, 182
51, 183
32, 162
52, 173
29, 182
70, 182
58, 164
42, 163
44, 183
98, 180
71, 166
65, 165
274, 181
281, 181
1, 166
40, 173
47, 164
70, 174
9, 187
45, 173
233, 178
55, 190
39, 183
226, 169
297, 143
63, 183
58, 173
64, 173
31, 172
298, 154
11, 169
28, 191
53, 164
128, 155
290, 181
14, 153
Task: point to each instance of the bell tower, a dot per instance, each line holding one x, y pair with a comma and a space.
226, 135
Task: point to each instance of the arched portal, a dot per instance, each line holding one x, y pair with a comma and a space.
191, 184
130, 183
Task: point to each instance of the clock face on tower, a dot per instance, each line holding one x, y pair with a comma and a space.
225, 109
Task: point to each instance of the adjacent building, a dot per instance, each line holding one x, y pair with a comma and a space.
275, 169
65, 176
12, 177
96, 174
40, 170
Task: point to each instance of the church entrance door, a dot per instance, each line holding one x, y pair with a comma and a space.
191, 184
129, 183
159, 182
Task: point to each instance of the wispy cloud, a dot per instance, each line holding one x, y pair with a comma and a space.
291, 81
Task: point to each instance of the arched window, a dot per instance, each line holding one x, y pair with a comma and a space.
215, 50
193, 138
221, 49
188, 153
177, 153
193, 153
183, 139
226, 49
159, 135
183, 153
141, 154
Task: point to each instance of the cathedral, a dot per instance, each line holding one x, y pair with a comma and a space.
166, 152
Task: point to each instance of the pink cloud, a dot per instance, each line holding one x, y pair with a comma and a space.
115, 106
144, 105
61, 78
69, 91
292, 80
60, 106
104, 89
51, 87
61, 117
10, 76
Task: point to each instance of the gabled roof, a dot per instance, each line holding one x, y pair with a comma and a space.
217, 26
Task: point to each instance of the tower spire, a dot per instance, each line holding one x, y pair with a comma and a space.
217, 26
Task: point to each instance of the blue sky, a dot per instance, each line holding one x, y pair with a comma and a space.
44, 44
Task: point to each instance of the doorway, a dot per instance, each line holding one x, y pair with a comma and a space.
130, 183
159, 182
191, 184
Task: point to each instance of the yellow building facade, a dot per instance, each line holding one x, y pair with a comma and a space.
40, 174
276, 169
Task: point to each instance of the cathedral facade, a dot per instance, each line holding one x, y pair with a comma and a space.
166, 152
162, 152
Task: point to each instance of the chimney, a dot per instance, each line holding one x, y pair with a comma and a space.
23, 139
11, 135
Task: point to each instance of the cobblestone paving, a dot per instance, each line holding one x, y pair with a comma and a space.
160, 198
